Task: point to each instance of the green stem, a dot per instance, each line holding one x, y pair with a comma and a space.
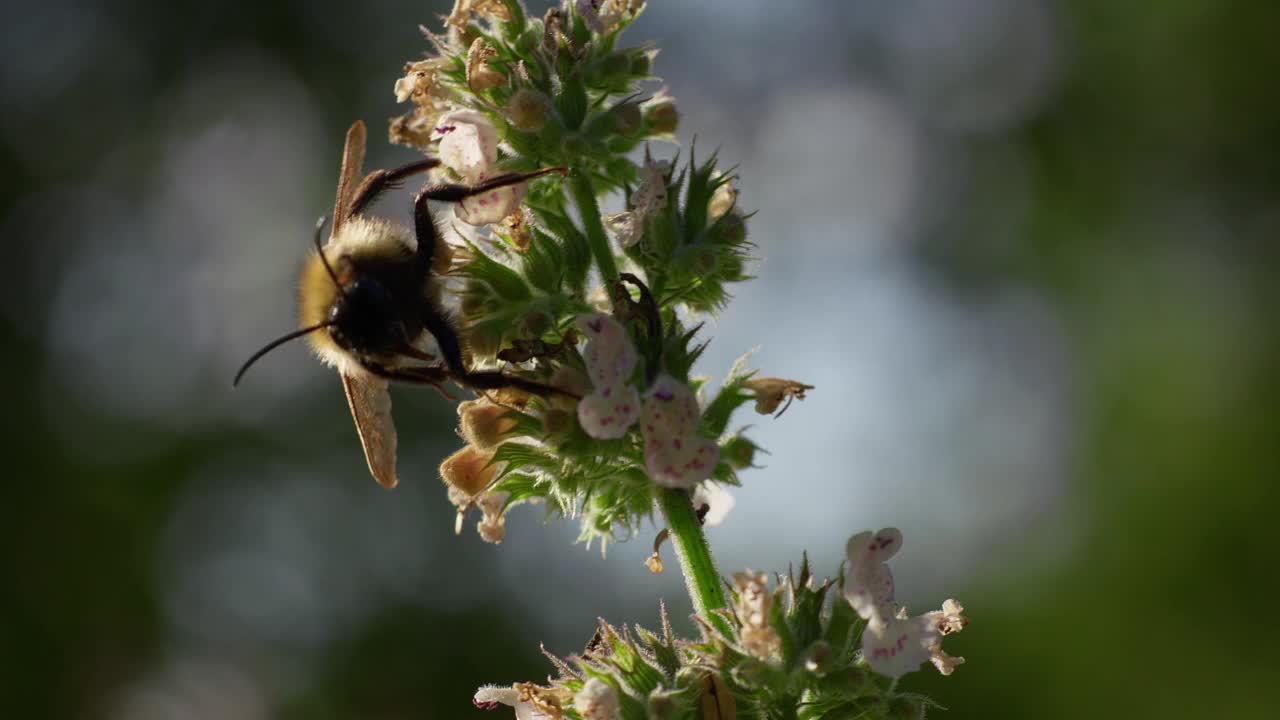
584, 196
700, 576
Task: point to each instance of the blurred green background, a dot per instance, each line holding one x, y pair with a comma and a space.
1025, 249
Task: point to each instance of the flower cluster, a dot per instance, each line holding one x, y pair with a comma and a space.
796, 645
596, 313
504, 92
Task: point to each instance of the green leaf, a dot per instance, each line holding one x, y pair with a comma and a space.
522, 487
505, 282
571, 101
519, 455
543, 263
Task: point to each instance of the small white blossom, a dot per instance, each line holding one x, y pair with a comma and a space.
893, 643
869, 584
610, 358
900, 644
469, 147
596, 701
492, 206
718, 501
468, 143
492, 525
526, 707
674, 453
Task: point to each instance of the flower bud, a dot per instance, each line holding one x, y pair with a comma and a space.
722, 199
483, 423
697, 260
596, 700
527, 109
851, 681
557, 421
574, 144
731, 228
819, 659
627, 119
641, 63
660, 116
664, 705
739, 452
468, 471
535, 321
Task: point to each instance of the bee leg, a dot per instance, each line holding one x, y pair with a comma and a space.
429, 375
497, 381
451, 192
378, 181
424, 227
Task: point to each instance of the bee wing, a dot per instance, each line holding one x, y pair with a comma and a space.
351, 174
370, 404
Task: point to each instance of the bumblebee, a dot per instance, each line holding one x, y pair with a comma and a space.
368, 299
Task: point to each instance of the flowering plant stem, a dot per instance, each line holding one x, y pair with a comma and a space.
584, 196
700, 576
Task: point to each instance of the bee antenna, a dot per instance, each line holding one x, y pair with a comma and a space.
320, 250
275, 344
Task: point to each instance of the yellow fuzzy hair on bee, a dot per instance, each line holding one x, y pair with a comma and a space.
359, 237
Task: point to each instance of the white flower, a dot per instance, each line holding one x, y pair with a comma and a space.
469, 147
869, 584
526, 707
610, 358
898, 645
893, 643
468, 143
492, 206
492, 524
674, 453
596, 701
716, 499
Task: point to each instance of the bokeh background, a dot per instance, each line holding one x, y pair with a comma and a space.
1025, 249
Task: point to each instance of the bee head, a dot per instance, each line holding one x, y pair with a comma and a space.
363, 318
